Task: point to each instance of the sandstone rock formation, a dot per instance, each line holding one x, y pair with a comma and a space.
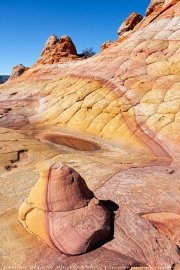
123, 105
18, 71
167, 223
58, 50
63, 212
130, 23
106, 44
154, 6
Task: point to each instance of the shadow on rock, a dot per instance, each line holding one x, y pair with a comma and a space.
112, 207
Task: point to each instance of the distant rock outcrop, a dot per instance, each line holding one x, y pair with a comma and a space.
154, 5
63, 212
106, 45
18, 71
58, 50
129, 24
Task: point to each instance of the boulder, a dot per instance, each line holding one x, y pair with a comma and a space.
63, 212
129, 24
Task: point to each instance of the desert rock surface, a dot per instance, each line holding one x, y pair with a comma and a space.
115, 119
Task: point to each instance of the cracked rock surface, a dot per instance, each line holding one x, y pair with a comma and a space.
114, 118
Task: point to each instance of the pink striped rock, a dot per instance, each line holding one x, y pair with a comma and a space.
63, 212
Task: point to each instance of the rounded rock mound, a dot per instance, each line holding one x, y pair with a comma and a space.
63, 212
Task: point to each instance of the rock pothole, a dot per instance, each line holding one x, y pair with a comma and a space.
71, 141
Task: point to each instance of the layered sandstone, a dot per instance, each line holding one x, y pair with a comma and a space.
167, 223
63, 212
58, 50
106, 44
18, 71
130, 23
115, 119
154, 6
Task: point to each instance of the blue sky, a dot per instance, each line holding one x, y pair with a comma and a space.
26, 24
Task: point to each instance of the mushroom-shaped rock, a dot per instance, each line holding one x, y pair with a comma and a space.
63, 212
129, 24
